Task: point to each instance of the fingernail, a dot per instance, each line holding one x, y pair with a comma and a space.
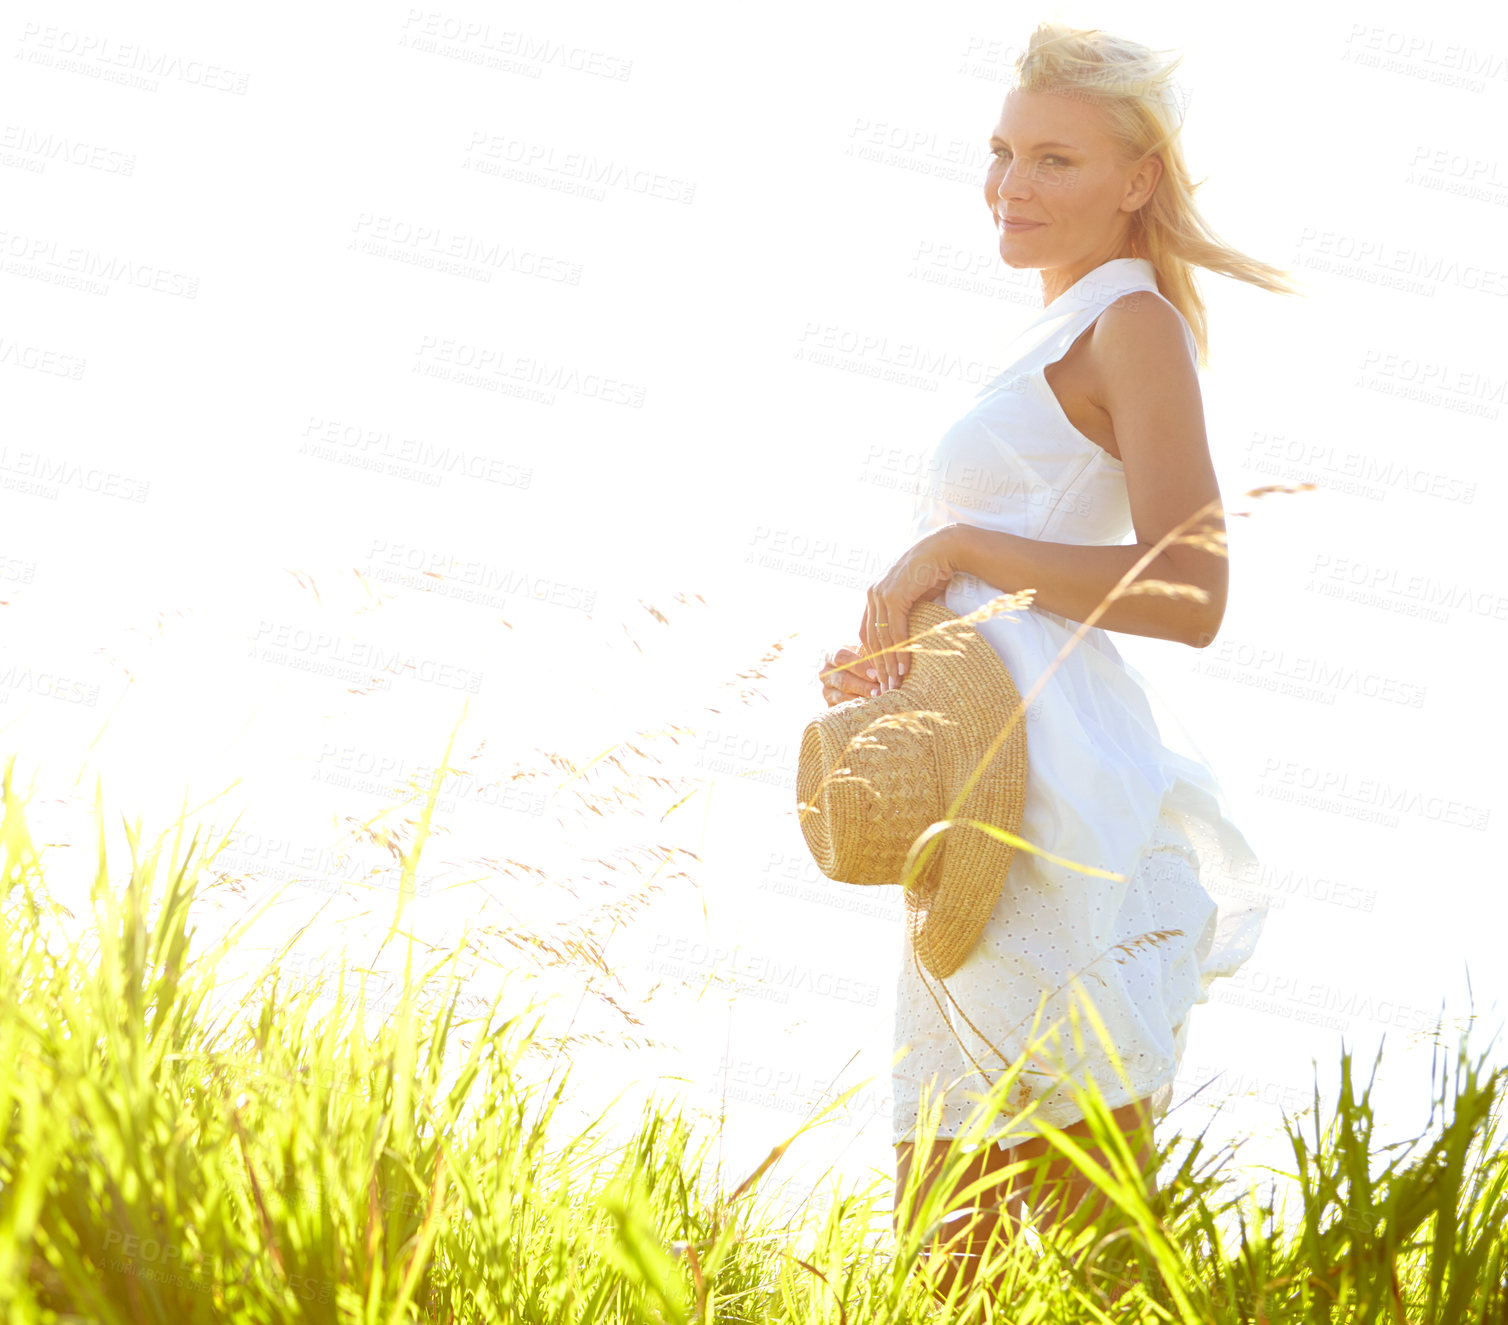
873, 675
874, 692
901, 668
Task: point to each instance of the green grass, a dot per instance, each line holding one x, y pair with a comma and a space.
170, 1154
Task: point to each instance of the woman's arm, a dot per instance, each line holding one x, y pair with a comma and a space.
1071, 580
1146, 380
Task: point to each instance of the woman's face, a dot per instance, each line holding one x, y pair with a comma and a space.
1056, 171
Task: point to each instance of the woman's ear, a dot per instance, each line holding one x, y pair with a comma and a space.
1142, 183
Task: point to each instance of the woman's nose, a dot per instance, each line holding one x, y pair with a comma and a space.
1012, 183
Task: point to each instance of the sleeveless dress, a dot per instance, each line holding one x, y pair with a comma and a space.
1103, 789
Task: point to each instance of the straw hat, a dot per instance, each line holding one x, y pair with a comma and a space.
874, 774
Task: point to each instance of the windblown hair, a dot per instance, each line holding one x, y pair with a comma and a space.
1134, 86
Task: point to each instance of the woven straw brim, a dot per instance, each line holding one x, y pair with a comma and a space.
876, 773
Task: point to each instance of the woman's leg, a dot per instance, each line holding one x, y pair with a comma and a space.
1062, 1185
1061, 1188
961, 1240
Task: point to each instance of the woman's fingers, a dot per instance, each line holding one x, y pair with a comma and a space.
900, 660
843, 677
834, 667
918, 573
857, 678
857, 684
884, 626
873, 631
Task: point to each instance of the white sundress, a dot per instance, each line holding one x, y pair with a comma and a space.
1103, 789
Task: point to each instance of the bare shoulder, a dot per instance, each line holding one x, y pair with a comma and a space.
1140, 344
1142, 328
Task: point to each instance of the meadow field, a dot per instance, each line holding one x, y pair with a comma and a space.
298, 1152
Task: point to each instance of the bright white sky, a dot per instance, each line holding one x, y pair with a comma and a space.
241, 432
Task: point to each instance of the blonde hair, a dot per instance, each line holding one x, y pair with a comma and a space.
1134, 86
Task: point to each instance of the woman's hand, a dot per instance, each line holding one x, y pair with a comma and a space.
921, 574
844, 677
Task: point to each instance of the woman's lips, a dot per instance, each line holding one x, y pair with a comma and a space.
1012, 226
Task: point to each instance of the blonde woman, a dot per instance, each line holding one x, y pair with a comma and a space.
1074, 462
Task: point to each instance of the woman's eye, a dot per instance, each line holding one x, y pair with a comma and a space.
998, 152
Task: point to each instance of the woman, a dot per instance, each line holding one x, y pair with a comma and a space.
1094, 431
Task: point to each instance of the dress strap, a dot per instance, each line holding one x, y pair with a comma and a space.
1072, 313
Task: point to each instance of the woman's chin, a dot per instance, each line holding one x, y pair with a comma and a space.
1014, 259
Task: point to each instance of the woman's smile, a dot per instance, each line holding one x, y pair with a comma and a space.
1013, 225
